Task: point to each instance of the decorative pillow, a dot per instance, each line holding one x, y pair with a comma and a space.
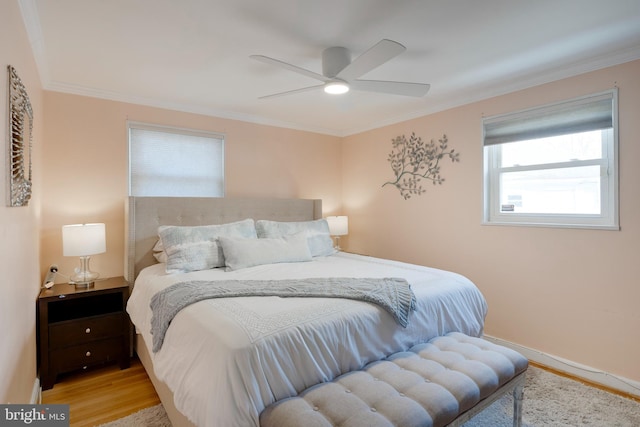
317, 232
242, 253
196, 248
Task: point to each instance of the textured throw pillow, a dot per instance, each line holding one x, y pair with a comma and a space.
196, 248
242, 253
317, 232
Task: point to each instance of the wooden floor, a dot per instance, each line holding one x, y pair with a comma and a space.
103, 395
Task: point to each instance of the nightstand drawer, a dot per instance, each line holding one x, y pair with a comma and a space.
84, 355
88, 329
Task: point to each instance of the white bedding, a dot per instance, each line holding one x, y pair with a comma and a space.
227, 359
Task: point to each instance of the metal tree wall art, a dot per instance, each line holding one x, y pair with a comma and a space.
413, 160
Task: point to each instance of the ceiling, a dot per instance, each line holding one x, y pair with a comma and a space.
193, 55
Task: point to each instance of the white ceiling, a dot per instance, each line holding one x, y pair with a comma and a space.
193, 55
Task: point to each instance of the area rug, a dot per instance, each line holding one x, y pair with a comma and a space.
154, 416
554, 401
549, 401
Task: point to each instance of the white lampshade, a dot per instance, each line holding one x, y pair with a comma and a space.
83, 239
338, 225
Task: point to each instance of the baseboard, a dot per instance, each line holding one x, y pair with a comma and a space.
36, 392
586, 373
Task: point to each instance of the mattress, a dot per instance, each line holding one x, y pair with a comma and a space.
227, 359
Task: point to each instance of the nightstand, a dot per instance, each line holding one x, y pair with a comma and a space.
84, 327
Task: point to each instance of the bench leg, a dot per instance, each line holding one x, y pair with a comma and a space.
518, 395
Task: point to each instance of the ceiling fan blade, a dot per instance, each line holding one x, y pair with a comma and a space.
289, 67
396, 88
291, 92
380, 53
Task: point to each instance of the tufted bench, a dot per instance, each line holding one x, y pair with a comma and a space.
443, 382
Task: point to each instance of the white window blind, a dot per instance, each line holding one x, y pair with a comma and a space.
166, 161
554, 165
582, 115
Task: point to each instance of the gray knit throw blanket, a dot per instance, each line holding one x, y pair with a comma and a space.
392, 294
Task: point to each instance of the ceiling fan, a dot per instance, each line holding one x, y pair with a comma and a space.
339, 73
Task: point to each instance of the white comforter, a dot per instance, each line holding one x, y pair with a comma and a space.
227, 359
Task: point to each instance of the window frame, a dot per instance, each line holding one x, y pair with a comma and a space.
608, 218
178, 131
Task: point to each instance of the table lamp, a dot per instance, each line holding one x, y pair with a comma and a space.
338, 226
83, 240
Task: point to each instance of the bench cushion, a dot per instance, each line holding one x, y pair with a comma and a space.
428, 385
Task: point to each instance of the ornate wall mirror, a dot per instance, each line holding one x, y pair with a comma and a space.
20, 127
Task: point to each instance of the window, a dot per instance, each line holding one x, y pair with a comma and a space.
165, 161
554, 165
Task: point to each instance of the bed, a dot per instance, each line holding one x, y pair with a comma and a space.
223, 360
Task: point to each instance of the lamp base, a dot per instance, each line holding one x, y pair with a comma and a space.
337, 245
83, 277
83, 285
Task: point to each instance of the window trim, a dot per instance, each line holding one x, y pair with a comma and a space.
178, 131
608, 220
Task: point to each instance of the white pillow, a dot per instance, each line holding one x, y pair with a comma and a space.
158, 246
161, 257
242, 253
158, 252
196, 248
317, 232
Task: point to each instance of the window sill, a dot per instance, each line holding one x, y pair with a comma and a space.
552, 225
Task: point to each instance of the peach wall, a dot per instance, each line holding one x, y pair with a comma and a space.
19, 243
86, 168
571, 293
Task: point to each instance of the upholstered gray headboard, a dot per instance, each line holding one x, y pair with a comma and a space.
145, 214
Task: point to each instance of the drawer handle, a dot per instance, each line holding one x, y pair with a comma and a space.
87, 331
88, 354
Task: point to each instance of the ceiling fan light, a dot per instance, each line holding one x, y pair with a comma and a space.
336, 88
